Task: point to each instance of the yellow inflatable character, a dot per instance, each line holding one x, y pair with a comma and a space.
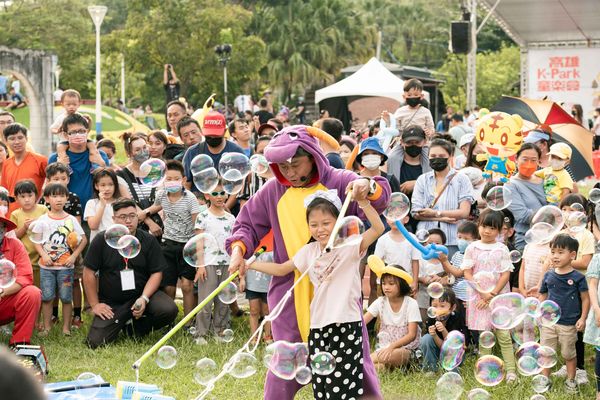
500, 134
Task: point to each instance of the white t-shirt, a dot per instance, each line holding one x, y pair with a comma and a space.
396, 323
91, 210
220, 227
57, 237
400, 253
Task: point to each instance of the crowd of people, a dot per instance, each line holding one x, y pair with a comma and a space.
55, 212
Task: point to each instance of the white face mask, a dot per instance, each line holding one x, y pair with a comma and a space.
557, 165
371, 161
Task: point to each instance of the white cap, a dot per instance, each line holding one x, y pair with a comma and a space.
466, 139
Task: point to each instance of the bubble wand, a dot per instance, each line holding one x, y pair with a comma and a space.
246, 348
192, 314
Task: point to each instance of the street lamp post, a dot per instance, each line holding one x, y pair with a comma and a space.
223, 52
97, 13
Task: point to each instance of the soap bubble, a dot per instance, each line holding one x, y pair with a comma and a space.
452, 351
526, 331
500, 317
526, 359
8, 273
243, 365
114, 233
153, 172
201, 250
435, 290
232, 186
234, 166
422, 235
303, 375
206, 370
515, 256
498, 198
455, 339
88, 385
280, 359
432, 312
594, 195
227, 336
322, 363
549, 313
464, 291
546, 356
200, 163
349, 234
229, 293
129, 246
531, 305
576, 221
478, 394
487, 339
489, 370
485, 281
206, 180
540, 383
510, 310
398, 207
577, 207
166, 357
259, 164
539, 233
36, 230
551, 215
449, 386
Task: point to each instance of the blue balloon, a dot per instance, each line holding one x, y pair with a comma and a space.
429, 252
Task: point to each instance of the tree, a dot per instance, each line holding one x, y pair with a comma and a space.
497, 75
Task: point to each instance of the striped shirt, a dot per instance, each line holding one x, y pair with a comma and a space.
458, 190
179, 225
534, 257
459, 290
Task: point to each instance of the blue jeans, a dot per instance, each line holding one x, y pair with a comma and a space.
431, 353
51, 279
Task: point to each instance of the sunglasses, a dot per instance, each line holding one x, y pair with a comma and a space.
215, 194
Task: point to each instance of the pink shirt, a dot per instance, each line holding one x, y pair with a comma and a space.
336, 278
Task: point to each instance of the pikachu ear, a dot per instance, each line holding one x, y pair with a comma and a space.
518, 120
376, 264
324, 136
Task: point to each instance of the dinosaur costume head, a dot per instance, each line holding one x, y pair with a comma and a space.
286, 143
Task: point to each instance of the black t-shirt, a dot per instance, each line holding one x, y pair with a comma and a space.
394, 184
409, 172
335, 160
263, 116
455, 322
72, 206
108, 263
172, 92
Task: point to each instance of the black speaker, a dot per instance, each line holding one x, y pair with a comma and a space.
460, 37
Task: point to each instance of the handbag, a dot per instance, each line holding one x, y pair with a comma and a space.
144, 203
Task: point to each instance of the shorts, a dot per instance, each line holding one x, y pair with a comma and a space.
176, 266
50, 279
563, 335
251, 295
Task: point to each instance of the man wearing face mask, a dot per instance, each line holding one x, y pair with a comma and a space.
20, 301
214, 145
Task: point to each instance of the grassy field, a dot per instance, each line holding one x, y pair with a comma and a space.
69, 357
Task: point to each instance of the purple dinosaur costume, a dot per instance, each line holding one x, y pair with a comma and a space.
280, 206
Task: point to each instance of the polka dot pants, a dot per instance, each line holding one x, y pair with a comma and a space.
344, 342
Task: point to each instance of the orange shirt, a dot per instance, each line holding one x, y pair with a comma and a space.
33, 167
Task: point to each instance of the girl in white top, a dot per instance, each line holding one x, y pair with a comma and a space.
98, 211
336, 309
399, 332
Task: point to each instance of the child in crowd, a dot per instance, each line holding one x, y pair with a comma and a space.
592, 325
467, 233
98, 211
487, 254
449, 317
557, 181
63, 242
215, 220
59, 173
109, 148
413, 112
28, 211
336, 309
71, 100
430, 271
180, 209
399, 319
567, 287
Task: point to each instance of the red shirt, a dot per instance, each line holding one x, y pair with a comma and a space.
14, 250
32, 167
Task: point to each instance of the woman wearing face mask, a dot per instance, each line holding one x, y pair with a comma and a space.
442, 197
137, 149
527, 190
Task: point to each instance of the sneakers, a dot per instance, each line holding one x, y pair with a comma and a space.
561, 373
581, 377
571, 386
76, 322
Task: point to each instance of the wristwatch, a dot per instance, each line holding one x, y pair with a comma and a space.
146, 299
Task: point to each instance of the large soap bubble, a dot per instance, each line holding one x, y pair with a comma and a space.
200, 163
36, 231
259, 164
549, 313
351, 229
498, 198
450, 386
322, 363
243, 365
129, 246
398, 207
594, 196
166, 357
489, 370
153, 172
114, 233
229, 293
8, 273
206, 370
88, 385
201, 250
232, 186
539, 233
206, 180
551, 215
234, 166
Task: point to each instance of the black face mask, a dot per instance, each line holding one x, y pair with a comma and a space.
213, 141
413, 101
413, 151
438, 164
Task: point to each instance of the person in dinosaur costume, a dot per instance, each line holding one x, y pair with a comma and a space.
300, 168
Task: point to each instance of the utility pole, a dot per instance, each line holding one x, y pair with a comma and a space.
472, 58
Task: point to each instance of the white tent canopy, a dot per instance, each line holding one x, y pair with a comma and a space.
372, 79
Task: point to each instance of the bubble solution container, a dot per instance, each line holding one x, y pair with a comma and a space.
126, 389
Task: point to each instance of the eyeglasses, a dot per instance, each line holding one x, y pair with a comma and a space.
215, 194
79, 132
126, 217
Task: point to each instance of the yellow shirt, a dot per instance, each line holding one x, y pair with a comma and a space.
19, 217
554, 183
587, 244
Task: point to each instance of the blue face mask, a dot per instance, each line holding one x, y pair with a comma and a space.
462, 245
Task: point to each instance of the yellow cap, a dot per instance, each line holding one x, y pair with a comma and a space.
561, 150
379, 268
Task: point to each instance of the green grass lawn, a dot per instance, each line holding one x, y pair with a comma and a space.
69, 357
